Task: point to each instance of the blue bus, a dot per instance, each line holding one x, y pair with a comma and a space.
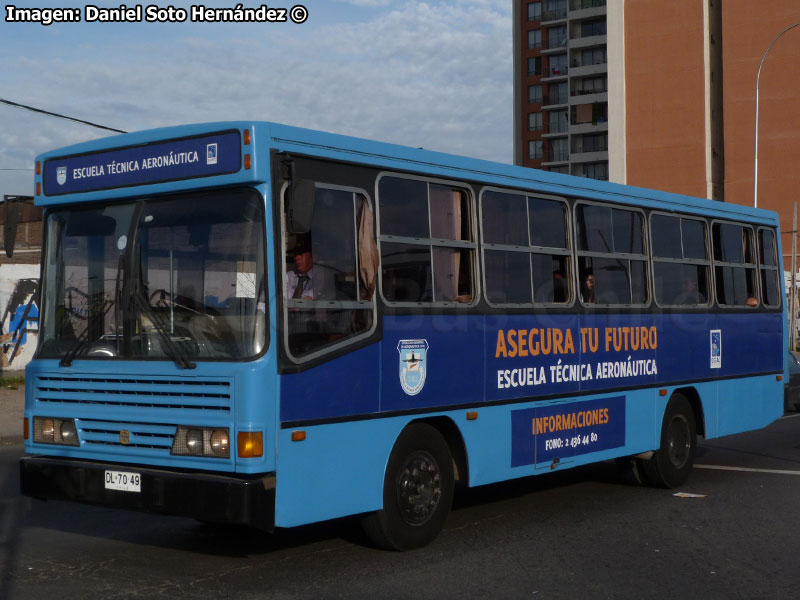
246, 322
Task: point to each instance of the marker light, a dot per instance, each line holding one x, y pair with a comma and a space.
298, 436
38, 167
25, 430
250, 444
246, 137
247, 161
38, 188
472, 415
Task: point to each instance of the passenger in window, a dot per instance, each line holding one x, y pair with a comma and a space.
560, 289
303, 282
751, 301
689, 293
587, 287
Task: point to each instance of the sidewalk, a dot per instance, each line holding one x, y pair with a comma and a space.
12, 408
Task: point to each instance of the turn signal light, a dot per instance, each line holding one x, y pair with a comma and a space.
38, 189
247, 161
38, 167
250, 444
246, 137
298, 436
25, 429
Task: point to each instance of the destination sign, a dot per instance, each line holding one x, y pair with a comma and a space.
185, 158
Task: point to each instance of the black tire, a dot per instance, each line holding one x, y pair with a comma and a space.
417, 491
671, 464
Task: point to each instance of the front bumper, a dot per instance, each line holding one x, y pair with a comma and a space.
207, 497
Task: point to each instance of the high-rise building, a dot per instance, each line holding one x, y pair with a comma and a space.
669, 88
561, 86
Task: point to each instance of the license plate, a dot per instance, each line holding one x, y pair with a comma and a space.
123, 481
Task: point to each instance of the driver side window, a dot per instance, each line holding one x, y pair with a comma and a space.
330, 274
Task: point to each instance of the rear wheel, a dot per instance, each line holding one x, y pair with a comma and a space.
417, 491
671, 464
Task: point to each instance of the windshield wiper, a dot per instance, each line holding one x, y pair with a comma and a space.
173, 352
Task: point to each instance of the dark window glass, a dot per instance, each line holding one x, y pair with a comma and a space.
595, 233
769, 287
627, 231
603, 229
547, 223
612, 281
504, 219
406, 272
767, 247
403, 207
694, 239
550, 278
680, 285
735, 285
508, 277
665, 233
729, 243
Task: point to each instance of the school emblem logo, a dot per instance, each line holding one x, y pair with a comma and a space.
413, 365
124, 437
211, 154
61, 175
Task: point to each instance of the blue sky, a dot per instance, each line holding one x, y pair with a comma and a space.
435, 74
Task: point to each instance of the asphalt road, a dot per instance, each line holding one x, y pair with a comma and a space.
583, 533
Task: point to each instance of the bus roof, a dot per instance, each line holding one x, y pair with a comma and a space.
155, 146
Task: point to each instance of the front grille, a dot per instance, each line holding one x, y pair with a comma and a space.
135, 393
147, 436
133, 414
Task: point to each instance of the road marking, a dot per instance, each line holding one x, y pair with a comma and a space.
722, 468
790, 416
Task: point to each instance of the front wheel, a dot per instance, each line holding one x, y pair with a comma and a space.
417, 491
671, 464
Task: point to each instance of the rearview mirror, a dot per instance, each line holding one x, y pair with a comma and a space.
300, 206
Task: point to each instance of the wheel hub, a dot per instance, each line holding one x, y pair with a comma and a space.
419, 488
680, 444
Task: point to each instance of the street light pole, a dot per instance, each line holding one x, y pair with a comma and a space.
758, 78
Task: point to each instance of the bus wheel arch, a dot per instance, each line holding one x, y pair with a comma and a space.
417, 489
670, 465
693, 397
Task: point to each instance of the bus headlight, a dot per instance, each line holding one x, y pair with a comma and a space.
201, 441
220, 442
52, 430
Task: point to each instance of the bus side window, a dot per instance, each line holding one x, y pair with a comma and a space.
680, 261
734, 267
768, 267
331, 272
526, 252
427, 243
613, 240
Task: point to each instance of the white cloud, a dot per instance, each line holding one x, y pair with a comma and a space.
430, 74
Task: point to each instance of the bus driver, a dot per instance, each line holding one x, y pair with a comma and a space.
305, 282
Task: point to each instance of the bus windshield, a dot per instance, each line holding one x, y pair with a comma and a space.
178, 278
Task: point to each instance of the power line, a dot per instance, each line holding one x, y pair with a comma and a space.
52, 114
